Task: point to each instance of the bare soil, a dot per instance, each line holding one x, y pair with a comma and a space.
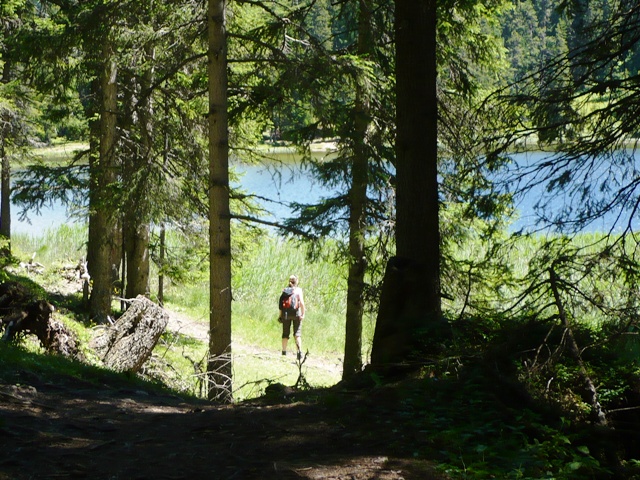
71, 428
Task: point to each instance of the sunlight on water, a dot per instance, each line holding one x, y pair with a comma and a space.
275, 186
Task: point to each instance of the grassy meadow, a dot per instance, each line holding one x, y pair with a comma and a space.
259, 274
257, 281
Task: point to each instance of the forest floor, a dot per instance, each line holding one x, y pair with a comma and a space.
65, 427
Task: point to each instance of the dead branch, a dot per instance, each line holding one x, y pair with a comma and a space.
591, 392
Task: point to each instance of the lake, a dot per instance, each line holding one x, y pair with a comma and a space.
285, 184
278, 186
608, 180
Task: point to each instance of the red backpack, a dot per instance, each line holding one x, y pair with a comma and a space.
288, 302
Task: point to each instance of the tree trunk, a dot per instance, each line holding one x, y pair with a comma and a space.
5, 182
137, 265
162, 248
417, 223
358, 213
137, 214
102, 225
5, 200
125, 346
219, 364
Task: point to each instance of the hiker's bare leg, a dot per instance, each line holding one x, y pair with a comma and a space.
299, 343
285, 341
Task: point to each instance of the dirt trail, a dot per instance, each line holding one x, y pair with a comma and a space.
68, 427
73, 429
185, 325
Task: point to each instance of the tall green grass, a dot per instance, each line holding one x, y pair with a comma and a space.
258, 278
53, 247
257, 285
257, 281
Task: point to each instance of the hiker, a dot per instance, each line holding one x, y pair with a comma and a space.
292, 310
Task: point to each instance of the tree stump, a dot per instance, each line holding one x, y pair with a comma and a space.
127, 344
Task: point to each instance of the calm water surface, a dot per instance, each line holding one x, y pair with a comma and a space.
276, 186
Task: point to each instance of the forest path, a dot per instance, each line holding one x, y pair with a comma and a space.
199, 330
54, 425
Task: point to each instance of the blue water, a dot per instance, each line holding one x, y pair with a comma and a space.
275, 188
49, 217
595, 185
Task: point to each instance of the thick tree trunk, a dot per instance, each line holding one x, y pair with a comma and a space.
219, 365
398, 320
417, 223
137, 220
102, 172
358, 213
125, 346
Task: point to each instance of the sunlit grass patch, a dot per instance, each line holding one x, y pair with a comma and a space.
52, 247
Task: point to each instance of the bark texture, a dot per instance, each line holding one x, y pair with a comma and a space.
219, 365
127, 345
5, 180
102, 224
417, 207
411, 329
398, 320
358, 209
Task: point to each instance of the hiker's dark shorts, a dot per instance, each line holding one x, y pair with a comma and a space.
286, 327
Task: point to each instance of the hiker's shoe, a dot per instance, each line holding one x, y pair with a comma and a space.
284, 352
299, 355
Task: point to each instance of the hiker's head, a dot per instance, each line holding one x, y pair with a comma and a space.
293, 281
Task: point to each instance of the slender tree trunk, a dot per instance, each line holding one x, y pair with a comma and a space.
590, 391
5, 201
161, 262
416, 270
5, 181
165, 161
102, 172
219, 365
358, 213
94, 161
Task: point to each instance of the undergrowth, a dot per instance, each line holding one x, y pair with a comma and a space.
257, 281
507, 405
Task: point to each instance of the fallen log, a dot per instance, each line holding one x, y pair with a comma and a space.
128, 343
22, 314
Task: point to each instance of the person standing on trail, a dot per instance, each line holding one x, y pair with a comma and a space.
292, 310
